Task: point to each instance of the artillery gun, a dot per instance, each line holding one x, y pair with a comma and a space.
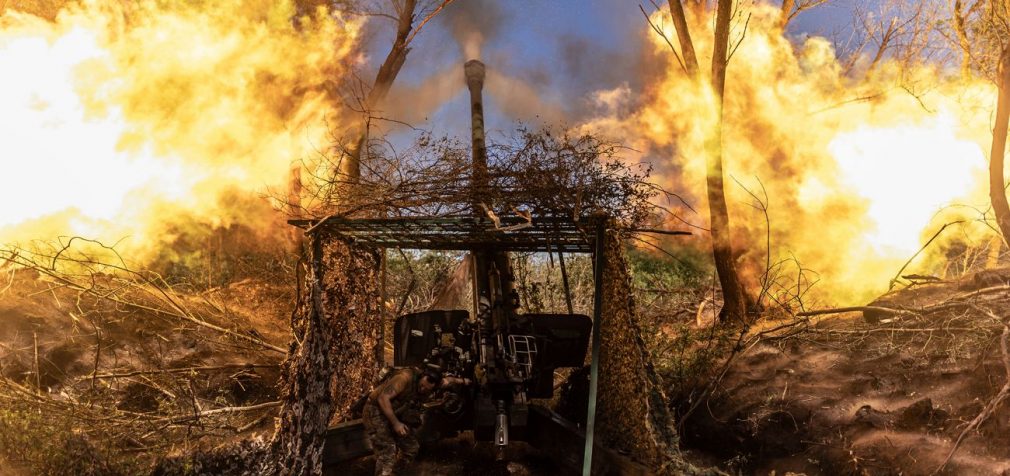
511, 357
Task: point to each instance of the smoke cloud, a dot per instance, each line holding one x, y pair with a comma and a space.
473, 23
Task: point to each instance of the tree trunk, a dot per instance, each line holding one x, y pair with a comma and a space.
734, 296
684, 36
997, 185
786, 13
734, 299
331, 362
962, 39
632, 416
390, 68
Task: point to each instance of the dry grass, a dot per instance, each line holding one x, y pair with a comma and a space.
105, 369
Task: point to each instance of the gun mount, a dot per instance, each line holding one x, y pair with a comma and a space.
511, 356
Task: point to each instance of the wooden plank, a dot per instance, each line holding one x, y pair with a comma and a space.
345, 442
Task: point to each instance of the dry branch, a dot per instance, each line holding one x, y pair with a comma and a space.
116, 288
840, 310
894, 280
219, 411
979, 292
178, 370
540, 172
892, 329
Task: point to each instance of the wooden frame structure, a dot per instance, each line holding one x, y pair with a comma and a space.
469, 233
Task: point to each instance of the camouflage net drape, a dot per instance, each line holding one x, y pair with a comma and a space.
331, 362
632, 415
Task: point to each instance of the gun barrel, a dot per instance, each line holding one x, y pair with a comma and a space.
474, 71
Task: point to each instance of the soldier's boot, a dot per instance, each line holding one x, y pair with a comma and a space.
409, 447
386, 464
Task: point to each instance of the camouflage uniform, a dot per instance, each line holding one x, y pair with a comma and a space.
406, 406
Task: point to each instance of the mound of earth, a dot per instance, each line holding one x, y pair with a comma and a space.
68, 335
143, 358
132, 342
885, 394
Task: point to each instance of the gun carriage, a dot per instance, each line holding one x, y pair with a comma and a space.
511, 356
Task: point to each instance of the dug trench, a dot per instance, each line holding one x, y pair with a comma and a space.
854, 394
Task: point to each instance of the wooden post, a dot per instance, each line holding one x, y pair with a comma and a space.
564, 281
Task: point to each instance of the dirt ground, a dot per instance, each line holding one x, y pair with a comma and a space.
832, 395
101, 367
75, 335
63, 329
847, 396
462, 456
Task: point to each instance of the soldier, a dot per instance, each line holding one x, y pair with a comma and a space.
391, 407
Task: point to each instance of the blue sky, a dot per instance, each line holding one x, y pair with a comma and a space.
561, 50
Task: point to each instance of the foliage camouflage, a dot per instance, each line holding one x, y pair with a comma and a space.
632, 416
540, 171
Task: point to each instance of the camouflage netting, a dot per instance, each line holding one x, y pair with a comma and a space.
337, 328
332, 360
632, 416
242, 458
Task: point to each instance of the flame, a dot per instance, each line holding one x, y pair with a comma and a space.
925, 165
118, 117
858, 167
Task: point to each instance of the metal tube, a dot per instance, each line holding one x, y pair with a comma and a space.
474, 71
501, 430
594, 369
504, 289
